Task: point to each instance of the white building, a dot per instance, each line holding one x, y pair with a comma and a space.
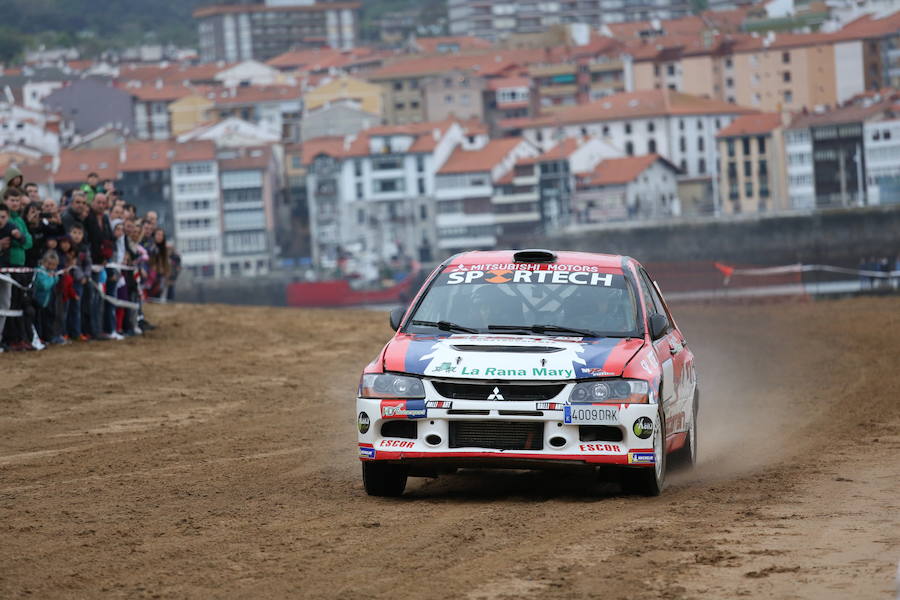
619, 189
27, 131
373, 194
475, 201
882, 150
800, 169
197, 207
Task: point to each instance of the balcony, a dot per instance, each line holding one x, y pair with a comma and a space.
555, 91
551, 70
603, 66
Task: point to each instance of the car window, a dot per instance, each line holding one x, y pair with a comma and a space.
650, 289
601, 302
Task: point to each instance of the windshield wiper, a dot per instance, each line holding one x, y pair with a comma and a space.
545, 329
446, 326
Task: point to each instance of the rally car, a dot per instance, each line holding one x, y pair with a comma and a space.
530, 359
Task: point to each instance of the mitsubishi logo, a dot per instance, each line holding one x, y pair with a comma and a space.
495, 395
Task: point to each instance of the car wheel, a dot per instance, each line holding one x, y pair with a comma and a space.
382, 479
686, 456
646, 481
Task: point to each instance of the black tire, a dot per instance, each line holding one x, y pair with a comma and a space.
685, 458
381, 479
647, 481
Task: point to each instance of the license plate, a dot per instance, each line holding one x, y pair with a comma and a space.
591, 415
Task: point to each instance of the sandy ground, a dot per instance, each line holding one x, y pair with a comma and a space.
216, 457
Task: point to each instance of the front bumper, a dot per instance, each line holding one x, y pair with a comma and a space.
423, 432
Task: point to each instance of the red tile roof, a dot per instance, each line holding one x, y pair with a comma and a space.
253, 94
492, 64
501, 83
157, 93
74, 165
618, 171
429, 45
474, 161
319, 59
751, 125
630, 105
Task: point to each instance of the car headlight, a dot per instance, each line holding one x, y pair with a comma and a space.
611, 390
385, 385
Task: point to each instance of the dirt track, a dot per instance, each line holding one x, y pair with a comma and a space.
216, 458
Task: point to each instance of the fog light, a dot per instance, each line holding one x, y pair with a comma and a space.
433, 439
362, 422
643, 428
557, 441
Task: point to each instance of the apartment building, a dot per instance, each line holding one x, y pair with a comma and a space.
477, 206
404, 83
882, 150
249, 183
151, 104
454, 94
679, 127
275, 108
498, 19
261, 31
197, 208
372, 195
629, 188
752, 176
826, 154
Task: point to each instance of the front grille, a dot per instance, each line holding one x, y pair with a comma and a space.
498, 435
508, 391
599, 433
399, 429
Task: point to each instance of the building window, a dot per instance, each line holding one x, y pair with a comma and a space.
680, 124
651, 147
448, 99
788, 96
728, 63
786, 57
629, 148
606, 130
357, 167
670, 69
359, 191
700, 145
732, 170
701, 166
748, 168
746, 144
423, 210
763, 169
730, 145
421, 187
748, 189
398, 85
388, 185
699, 124
683, 166
414, 105
389, 163
399, 106
729, 82
761, 144
420, 163
786, 77
682, 144
627, 128
651, 127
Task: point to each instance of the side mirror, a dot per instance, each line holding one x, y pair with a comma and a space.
659, 325
397, 317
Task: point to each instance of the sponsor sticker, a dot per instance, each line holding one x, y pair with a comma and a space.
532, 372
548, 406
439, 404
601, 448
444, 367
403, 409
597, 372
395, 444
524, 276
366, 452
363, 422
641, 458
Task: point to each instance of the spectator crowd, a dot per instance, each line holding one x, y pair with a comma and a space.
80, 269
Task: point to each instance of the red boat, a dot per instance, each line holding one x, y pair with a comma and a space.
340, 292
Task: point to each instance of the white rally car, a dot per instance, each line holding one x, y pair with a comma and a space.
529, 360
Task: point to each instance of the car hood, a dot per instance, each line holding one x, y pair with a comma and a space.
508, 357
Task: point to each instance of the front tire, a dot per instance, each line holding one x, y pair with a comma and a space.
381, 479
650, 481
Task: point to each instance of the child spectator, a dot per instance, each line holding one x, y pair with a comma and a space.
45, 279
80, 270
160, 266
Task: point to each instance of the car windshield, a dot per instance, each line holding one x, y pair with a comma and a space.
564, 300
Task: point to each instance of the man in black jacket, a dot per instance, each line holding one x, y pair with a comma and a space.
100, 239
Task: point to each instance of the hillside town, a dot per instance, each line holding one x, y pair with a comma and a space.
282, 142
